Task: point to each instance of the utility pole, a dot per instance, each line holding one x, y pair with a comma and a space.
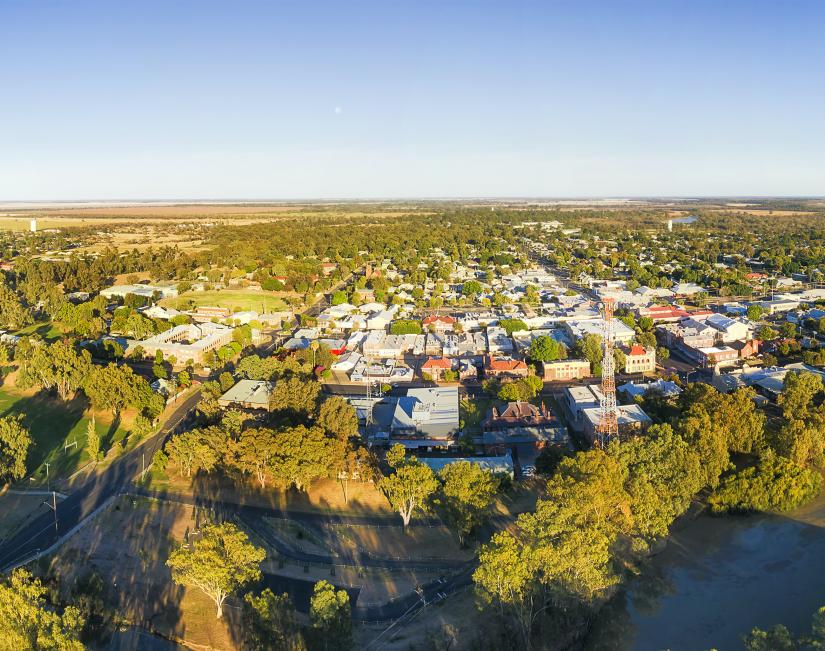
53, 507
48, 485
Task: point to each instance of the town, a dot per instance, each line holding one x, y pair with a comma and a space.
373, 424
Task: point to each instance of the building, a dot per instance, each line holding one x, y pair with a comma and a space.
663, 313
577, 399
717, 355
423, 418
639, 359
565, 370
632, 421
577, 329
435, 367
249, 394
505, 367
189, 342
439, 323
146, 291
209, 312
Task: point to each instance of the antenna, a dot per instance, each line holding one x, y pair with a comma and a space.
608, 426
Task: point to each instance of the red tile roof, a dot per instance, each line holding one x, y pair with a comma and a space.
438, 319
506, 364
636, 350
437, 362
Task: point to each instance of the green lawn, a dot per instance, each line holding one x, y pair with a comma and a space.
53, 423
234, 299
45, 329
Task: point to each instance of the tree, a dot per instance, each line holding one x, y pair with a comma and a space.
405, 327
512, 325
301, 455
92, 441
754, 312
112, 387
798, 392
355, 464
217, 563
295, 394
697, 428
662, 474
15, 442
507, 576
546, 349
331, 618
466, 493
338, 418
28, 624
12, 313
775, 484
766, 333
410, 486
254, 452
191, 451
58, 366
590, 348
269, 623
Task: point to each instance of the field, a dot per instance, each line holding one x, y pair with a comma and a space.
44, 329
236, 300
52, 423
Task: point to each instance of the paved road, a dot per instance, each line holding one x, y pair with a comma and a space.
40, 533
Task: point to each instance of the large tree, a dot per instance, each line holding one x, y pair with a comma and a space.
28, 624
301, 455
218, 563
269, 623
254, 452
338, 418
192, 451
330, 615
295, 394
15, 442
12, 313
546, 349
58, 366
466, 493
410, 486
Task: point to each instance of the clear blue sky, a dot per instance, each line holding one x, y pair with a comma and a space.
394, 98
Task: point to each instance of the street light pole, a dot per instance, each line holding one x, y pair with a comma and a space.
48, 485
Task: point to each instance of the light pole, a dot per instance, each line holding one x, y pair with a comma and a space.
53, 507
48, 485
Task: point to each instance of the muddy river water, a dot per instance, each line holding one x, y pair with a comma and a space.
718, 578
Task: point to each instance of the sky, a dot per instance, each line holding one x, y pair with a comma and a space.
410, 99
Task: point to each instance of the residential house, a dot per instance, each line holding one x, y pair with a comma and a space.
505, 367
435, 367
249, 394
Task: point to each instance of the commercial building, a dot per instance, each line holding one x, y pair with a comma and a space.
639, 359
566, 370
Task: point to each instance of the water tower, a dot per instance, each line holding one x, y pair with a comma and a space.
33, 225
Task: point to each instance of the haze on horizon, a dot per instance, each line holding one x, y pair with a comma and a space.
331, 100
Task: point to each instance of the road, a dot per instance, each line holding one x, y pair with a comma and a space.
42, 532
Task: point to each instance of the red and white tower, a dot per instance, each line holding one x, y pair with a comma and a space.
608, 427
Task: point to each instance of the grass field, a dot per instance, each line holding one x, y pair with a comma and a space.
234, 299
44, 329
52, 423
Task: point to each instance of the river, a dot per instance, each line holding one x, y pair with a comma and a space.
716, 579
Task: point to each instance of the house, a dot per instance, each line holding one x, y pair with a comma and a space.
505, 367
439, 323
467, 370
249, 394
566, 370
520, 425
746, 349
435, 367
639, 359
498, 341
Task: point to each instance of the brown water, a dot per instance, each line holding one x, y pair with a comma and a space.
717, 579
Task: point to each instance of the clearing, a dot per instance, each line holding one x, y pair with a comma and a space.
234, 299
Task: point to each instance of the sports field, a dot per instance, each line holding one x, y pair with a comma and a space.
234, 299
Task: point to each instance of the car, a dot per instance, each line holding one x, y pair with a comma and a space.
528, 471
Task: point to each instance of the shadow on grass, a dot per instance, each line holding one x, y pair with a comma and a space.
50, 421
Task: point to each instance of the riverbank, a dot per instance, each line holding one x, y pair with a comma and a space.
716, 579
